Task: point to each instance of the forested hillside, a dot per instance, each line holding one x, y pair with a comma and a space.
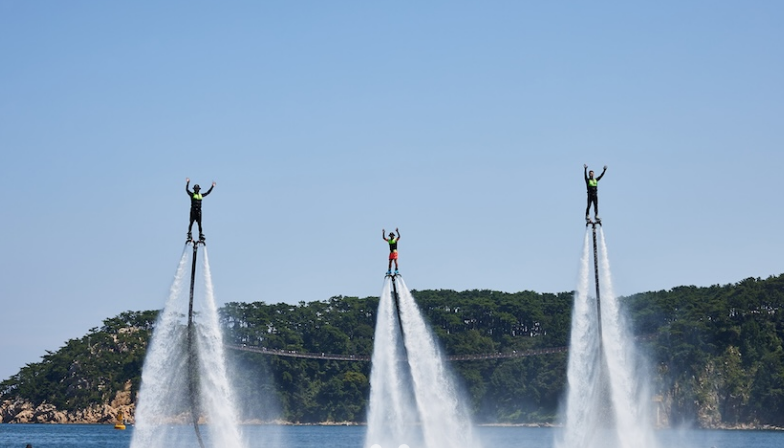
718, 350
469, 322
715, 353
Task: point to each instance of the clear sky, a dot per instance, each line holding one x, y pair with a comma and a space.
465, 124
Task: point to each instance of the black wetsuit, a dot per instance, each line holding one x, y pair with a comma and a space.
592, 193
195, 206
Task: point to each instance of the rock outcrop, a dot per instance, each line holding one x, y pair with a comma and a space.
21, 411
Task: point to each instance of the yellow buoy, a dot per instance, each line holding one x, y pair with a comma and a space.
120, 421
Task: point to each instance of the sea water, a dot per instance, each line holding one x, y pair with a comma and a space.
105, 436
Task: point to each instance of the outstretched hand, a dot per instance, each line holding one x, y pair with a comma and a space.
605, 166
585, 166
213, 183
187, 179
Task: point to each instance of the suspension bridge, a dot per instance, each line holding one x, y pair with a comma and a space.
366, 358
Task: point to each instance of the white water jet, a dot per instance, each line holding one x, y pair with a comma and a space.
392, 414
165, 410
413, 398
628, 381
163, 395
445, 420
581, 417
604, 371
217, 396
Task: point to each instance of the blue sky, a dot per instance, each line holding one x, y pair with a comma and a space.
465, 124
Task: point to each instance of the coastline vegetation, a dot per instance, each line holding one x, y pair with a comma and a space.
715, 352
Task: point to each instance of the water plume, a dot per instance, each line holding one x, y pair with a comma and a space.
184, 381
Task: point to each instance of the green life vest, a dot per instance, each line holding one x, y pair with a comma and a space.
592, 182
197, 196
392, 244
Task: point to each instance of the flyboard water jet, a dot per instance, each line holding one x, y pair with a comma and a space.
608, 399
193, 381
414, 400
185, 369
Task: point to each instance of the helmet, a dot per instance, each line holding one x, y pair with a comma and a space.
197, 187
391, 234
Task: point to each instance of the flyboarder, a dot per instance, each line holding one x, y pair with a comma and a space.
392, 240
196, 198
591, 184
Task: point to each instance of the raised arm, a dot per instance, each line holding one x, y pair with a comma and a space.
208, 191
384, 234
603, 171
398, 233
585, 173
187, 188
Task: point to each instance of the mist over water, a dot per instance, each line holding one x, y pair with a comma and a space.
165, 406
608, 402
424, 380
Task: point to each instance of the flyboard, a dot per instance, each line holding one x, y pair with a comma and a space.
193, 364
596, 221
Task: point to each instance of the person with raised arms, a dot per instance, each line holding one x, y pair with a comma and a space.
592, 184
196, 198
392, 240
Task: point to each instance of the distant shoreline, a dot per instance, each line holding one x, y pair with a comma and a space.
488, 425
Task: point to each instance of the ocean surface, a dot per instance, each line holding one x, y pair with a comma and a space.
105, 436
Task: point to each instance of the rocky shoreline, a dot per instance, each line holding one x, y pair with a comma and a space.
18, 411
23, 411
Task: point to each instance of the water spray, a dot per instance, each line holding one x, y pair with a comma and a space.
604, 371
413, 396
